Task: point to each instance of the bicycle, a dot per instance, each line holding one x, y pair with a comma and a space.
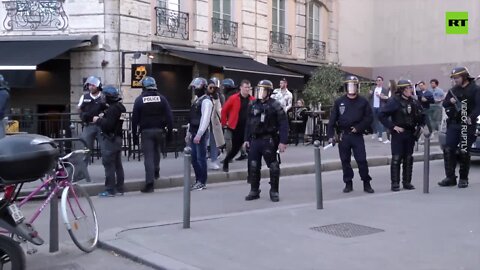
76, 206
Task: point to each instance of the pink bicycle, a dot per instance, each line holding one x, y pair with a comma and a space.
77, 209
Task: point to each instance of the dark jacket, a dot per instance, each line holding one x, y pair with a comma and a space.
275, 122
427, 95
112, 121
160, 117
471, 93
4, 102
382, 101
347, 113
394, 113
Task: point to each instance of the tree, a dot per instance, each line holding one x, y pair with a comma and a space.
324, 86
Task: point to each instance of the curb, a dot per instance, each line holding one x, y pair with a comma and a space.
238, 175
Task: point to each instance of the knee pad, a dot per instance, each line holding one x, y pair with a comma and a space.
274, 168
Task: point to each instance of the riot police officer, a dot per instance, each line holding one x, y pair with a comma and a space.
153, 118
110, 124
90, 105
199, 120
462, 106
351, 116
266, 131
228, 87
406, 118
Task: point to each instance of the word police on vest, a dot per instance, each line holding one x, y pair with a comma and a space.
150, 99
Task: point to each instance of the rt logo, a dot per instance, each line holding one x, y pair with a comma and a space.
456, 23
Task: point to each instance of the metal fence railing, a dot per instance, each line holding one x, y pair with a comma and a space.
68, 125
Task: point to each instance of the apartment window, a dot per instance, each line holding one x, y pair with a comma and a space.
314, 21
278, 16
169, 4
222, 9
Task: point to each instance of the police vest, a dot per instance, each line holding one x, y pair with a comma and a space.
408, 115
263, 118
91, 107
196, 114
152, 114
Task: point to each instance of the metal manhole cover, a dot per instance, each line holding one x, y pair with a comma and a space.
346, 230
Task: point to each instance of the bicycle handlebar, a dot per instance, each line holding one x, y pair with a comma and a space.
80, 151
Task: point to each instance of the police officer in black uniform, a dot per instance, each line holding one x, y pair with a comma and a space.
462, 106
351, 116
153, 115
406, 119
90, 105
111, 126
266, 131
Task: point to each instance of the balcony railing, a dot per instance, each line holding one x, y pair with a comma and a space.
316, 49
224, 32
280, 43
31, 15
172, 23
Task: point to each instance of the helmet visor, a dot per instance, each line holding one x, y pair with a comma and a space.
197, 83
352, 88
261, 92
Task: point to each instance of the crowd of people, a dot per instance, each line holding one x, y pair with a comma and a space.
256, 120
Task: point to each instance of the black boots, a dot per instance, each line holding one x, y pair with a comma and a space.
348, 187
464, 162
450, 162
225, 166
395, 173
367, 187
407, 173
253, 195
148, 188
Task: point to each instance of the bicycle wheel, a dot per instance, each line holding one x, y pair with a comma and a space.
80, 218
11, 254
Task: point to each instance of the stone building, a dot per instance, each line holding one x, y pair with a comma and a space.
53, 45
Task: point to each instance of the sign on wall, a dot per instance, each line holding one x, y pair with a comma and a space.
138, 72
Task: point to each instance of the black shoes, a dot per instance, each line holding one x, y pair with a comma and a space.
462, 183
408, 186
395, 186
274, 196
367, 187
348, 187
148, 188
253, 195
225, 167
448, 182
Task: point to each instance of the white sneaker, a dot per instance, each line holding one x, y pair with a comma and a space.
213, 166
387, 141
380, 139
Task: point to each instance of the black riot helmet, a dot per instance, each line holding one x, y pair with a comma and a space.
460, 75
111, 93
403, 85
351, 85
228, 84
198, 86
264, 89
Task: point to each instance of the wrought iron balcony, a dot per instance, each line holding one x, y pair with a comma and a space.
35, 15
172, 23
224, 32
316, 49
280, 43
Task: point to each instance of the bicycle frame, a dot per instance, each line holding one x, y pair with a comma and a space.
52, 181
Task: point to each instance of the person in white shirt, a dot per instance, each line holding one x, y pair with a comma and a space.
283, 95
378, 98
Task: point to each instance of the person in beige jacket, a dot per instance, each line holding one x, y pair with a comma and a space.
216, 132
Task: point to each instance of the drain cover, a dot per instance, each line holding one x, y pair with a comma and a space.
346, 230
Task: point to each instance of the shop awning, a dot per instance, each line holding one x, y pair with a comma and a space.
237, 66
19, 56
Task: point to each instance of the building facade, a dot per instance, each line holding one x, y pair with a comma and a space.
66, 41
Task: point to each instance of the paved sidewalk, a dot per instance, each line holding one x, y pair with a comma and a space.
296, 160
418, 231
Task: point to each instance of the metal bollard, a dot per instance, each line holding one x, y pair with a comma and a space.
53, 225
318, 174
426, 164
186, 186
